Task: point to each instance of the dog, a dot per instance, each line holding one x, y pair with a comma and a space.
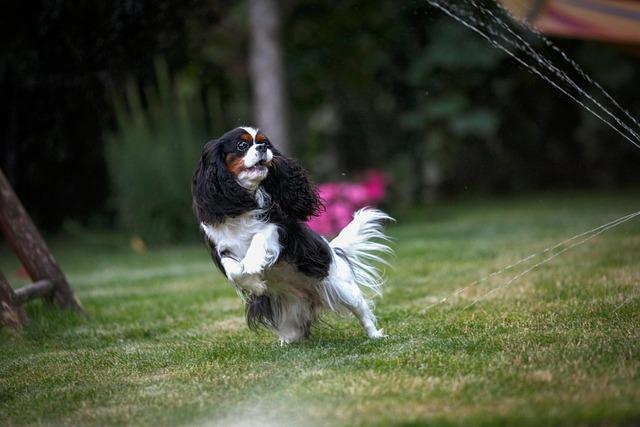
252, 203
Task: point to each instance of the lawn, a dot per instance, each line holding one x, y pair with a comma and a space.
164, 342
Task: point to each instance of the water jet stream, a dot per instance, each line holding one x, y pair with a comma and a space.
589, 235
455, 12
516, 42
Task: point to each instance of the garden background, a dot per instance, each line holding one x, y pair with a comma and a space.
106, 106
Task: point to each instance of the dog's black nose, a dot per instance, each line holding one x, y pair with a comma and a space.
261, 148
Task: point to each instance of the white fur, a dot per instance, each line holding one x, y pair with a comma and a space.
249, 246
358, 240
251, 131
344, 285
256, 244
252, 176
253, 156
348, 278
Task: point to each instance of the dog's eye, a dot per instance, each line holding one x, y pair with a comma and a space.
242, 145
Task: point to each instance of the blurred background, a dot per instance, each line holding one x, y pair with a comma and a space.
106, 105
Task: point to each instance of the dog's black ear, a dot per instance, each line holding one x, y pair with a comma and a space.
215, 191
291, 188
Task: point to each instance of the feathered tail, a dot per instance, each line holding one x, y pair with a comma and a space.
361, 241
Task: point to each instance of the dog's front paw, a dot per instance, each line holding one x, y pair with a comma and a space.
252, 266
232, 268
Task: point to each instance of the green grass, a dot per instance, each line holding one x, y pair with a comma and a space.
165, 343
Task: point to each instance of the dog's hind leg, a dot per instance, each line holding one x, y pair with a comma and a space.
358, 251
360, 307
294, 319
343, 290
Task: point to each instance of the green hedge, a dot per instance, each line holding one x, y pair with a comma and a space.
152, 153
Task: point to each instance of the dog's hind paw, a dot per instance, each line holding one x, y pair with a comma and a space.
379, 333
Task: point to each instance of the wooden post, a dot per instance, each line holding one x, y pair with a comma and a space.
11, 314
32, 251
43, 288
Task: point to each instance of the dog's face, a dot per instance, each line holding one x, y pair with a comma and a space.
232, 168
247, 155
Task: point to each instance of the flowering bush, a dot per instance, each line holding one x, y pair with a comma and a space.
343, 198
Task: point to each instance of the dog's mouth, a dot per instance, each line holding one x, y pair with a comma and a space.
261, 165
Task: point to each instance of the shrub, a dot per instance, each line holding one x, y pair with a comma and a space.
151, 156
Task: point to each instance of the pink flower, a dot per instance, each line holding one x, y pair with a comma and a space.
321, 224
343, 198
329, 191
375, 183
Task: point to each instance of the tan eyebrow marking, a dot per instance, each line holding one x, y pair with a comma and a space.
246, 137
260, 137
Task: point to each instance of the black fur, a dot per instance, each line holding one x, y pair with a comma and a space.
292, 200
291, 188
262, 310
216, 193
265, 310
304, 248
215, 256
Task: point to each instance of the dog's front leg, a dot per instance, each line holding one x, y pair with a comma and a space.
263, 251
249, 282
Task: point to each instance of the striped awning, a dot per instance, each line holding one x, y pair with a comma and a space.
615, 21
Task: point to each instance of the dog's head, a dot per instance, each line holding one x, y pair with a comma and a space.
247, 154
235, 165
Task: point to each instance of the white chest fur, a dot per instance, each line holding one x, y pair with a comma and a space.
235, 235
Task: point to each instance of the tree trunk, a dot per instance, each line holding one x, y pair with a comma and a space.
267, 72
